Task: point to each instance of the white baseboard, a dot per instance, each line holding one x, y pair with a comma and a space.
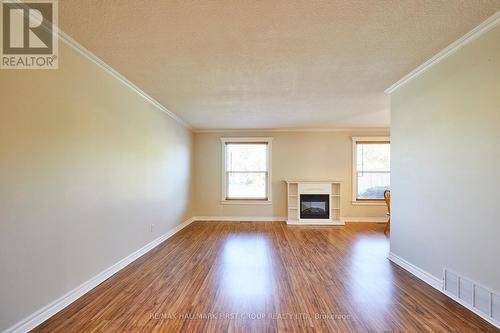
469, 307
437, 284
315, 222
240, 218
59, 304
371, 219
51, 309
417, 271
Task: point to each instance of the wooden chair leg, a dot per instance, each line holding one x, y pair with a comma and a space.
387, 226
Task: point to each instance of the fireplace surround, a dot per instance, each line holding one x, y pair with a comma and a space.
312, 202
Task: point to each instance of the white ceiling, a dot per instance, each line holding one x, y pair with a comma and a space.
270, 64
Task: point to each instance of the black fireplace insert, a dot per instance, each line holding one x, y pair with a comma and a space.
314, 206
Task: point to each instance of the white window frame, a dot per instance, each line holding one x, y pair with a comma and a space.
355, 141
225, 140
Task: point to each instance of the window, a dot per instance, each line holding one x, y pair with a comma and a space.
371, 168
246, 163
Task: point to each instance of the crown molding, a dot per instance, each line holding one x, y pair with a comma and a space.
481, 29
72, 43
69, 41
65, 38
264, 130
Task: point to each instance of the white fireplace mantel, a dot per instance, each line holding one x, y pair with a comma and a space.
296, 188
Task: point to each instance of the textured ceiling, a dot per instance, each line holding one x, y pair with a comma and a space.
270, 64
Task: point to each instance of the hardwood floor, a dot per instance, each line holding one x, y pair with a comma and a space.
266, 277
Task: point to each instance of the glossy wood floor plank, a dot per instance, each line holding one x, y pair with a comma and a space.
266, 277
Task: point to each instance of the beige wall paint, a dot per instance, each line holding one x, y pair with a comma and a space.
86, 165
445, 163
295, 155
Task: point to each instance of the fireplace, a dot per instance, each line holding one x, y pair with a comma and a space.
314, 206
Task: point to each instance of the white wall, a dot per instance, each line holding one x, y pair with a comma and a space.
446, 162
295, 155
86, 165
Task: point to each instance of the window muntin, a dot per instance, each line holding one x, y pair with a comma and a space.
246, 170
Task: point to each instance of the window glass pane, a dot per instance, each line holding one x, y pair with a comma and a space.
373, 185
373, 157
246, 185
246, 157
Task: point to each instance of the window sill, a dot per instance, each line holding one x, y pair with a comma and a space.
368, 203
245, 202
